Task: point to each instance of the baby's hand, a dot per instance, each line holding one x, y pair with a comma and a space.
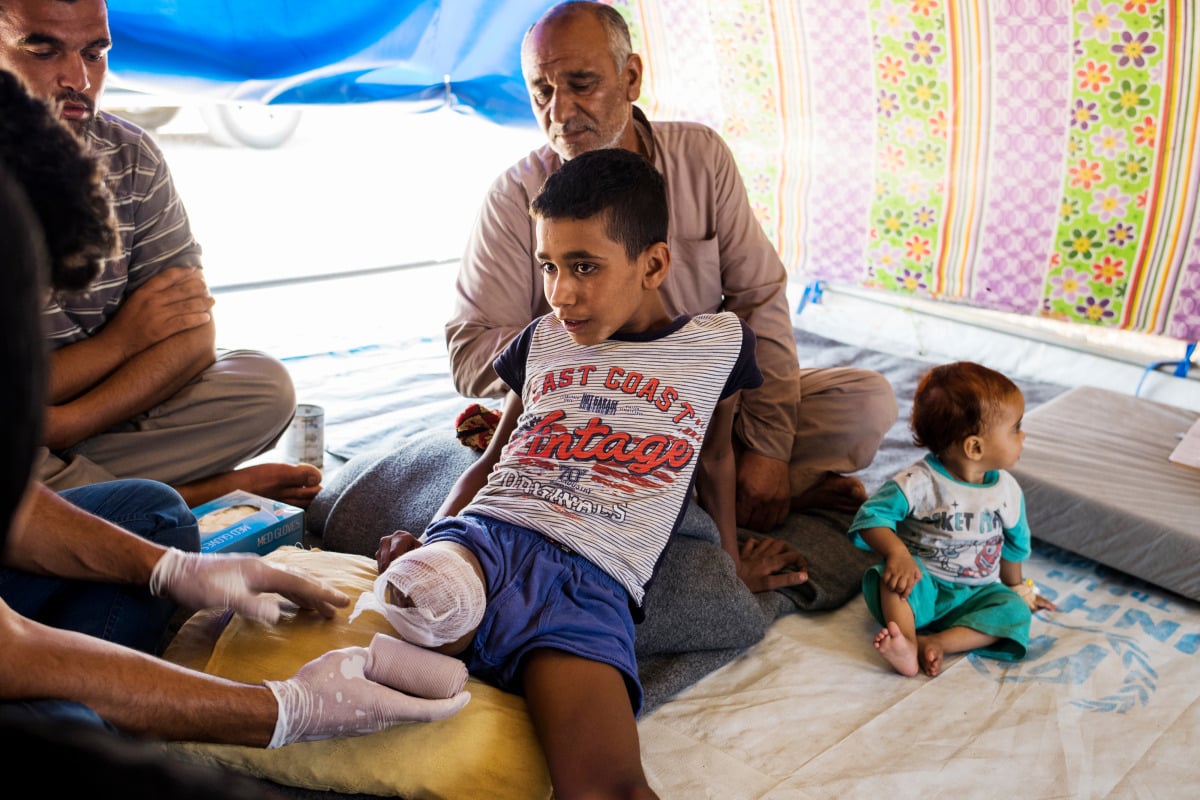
1043, 604
901, 573
1029, 593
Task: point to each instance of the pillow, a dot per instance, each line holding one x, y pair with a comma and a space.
488, 747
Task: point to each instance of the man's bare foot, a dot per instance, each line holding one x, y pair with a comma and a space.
931, 654
834, 491
897, 651
294, 484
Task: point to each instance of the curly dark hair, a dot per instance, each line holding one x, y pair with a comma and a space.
22, 345
954, 401
63, 181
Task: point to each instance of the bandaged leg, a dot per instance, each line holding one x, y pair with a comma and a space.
431, 596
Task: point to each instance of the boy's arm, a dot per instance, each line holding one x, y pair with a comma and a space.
761, 570
476, 475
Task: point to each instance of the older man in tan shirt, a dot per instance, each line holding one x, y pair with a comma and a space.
804, 428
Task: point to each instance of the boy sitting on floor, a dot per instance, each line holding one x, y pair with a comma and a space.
535, 565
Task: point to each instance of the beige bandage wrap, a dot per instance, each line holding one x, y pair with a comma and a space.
413, 670
444, 594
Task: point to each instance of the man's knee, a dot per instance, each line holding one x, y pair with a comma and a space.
174, 524
875, 412
151, 509
879, 403
260, 384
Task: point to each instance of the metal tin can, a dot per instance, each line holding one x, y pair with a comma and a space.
305, 439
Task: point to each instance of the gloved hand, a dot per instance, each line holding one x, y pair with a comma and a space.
330, 696
240, 581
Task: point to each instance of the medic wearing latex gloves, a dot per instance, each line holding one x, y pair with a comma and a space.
330, 696
240, 581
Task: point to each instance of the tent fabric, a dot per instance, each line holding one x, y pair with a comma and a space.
1034, 158
460, 53
1037, 158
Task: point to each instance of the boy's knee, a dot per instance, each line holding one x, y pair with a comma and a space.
432, 596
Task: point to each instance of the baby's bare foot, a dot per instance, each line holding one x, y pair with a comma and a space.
896, 650
931, 654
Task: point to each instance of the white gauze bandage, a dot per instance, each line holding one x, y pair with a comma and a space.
446, 595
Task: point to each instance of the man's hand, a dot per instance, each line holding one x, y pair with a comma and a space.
173, 301
330, 696
393, 546
240, 581
763, 492
766, 564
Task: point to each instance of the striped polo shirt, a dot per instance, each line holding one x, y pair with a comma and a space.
154, 230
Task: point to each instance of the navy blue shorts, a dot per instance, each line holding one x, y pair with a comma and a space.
540, 596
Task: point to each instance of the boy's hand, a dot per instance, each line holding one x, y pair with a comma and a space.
393, 546
766, 564
901, 573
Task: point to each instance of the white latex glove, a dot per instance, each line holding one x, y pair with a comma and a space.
330, 696
241, 581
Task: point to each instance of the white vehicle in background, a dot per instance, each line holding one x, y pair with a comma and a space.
232, 123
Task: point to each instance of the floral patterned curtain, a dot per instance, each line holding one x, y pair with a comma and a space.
1032, 156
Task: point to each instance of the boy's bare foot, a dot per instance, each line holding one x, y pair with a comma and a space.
896, 650
834, 491
294, 484
931, 654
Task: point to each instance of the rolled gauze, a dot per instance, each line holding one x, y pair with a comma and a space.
414, 670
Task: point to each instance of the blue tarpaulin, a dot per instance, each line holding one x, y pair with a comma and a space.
461, 53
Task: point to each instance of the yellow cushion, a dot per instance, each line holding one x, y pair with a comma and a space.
487, 749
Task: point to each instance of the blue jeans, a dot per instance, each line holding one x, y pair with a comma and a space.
119, 613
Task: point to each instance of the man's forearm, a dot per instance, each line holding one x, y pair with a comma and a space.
473, 348
139, 384
79, 366
136, 692
58, 538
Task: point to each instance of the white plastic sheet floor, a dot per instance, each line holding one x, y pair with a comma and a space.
1104, 705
